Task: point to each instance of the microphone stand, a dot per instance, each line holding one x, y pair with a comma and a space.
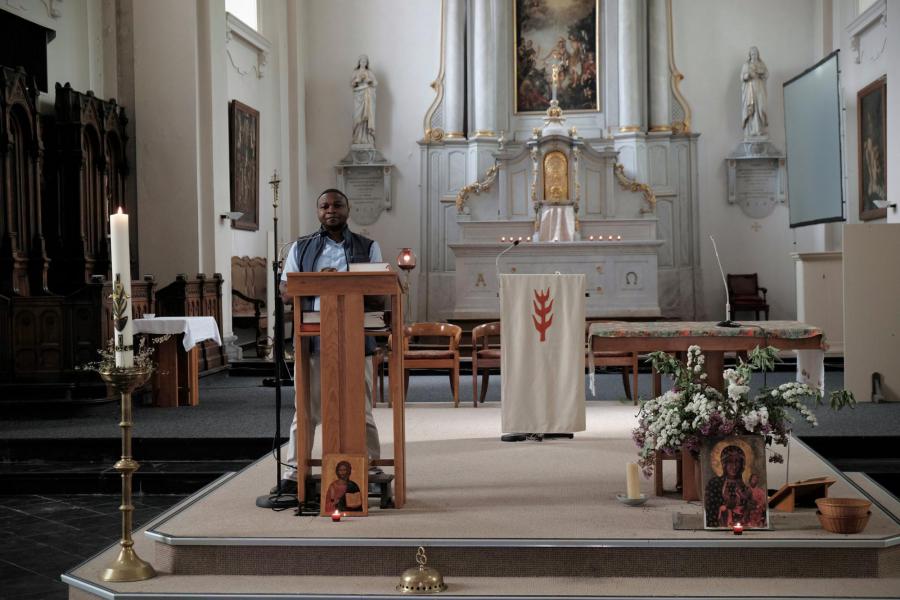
279, 500
497, 262
521, 437
727, 322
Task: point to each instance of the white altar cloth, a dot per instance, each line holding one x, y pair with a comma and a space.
557, 223
195, 329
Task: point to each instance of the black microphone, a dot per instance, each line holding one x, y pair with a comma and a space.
505, 250
727, 322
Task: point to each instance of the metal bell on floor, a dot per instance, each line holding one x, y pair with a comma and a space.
421, 579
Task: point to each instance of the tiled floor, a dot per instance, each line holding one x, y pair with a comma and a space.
44, 536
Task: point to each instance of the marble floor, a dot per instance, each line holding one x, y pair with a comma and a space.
45, 535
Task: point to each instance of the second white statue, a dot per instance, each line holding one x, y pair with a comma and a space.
363, 84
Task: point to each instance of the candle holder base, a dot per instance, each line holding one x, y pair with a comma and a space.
631, 501
128, 566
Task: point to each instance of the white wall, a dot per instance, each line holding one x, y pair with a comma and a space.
265, 95
76, 54
710, 58
402, 40
855, 76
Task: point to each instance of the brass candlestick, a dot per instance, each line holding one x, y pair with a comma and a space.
128, 566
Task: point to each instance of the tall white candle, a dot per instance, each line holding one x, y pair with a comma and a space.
633, 481
121, 271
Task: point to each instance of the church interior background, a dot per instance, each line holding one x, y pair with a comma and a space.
641, 157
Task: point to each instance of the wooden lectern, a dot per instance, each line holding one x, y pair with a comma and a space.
342, 353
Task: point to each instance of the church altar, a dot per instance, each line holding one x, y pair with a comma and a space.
558, 198
620, 276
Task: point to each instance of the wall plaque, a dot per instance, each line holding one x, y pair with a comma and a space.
366, 179
756, 179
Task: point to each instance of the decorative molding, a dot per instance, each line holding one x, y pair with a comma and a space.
490, 176
438, 86
16, 6
634, 186
683, 126
52, 11
869, 17
234, 27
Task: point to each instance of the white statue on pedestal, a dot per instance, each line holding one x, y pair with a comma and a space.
363, 84
754, 117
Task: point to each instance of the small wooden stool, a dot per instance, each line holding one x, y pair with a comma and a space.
658, 471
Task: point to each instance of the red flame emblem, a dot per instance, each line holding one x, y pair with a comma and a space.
542, 318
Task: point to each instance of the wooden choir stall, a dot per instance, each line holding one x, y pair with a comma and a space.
342, 367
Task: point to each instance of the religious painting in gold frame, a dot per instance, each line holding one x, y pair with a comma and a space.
556, 177
871, 109
243, 154
563, 32
345, 485
733, 474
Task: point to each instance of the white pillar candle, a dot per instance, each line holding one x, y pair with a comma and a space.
633, 484
121, 271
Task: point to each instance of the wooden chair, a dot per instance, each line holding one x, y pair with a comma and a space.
433, 359
628, 361
744, 293
485, 358
248, 294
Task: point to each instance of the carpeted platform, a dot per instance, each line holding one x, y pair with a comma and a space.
489, 510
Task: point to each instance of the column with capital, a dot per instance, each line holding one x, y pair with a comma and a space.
454, 75
658, 61
631, 116
484, 65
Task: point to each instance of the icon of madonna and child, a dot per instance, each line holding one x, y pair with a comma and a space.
734, 483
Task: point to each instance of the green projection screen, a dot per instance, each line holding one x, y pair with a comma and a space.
812, 124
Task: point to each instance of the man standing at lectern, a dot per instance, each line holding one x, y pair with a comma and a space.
332, 248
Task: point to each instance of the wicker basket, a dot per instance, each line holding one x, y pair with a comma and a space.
843, 507
844, 524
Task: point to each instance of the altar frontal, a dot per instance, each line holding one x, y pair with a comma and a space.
542, 353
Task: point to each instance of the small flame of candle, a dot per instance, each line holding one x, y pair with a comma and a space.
119, 212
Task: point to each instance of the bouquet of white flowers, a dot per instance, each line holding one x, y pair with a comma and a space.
692, 409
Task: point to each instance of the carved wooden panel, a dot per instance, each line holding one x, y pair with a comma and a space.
37, 326
199, 297
90, 141
5, 340
23, 261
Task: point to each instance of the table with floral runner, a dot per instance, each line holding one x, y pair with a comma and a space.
715, 341
675, 337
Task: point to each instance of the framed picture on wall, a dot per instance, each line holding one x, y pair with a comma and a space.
871, 103
552, 32
243, 147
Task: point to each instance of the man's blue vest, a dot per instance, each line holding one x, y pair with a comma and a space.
356, 250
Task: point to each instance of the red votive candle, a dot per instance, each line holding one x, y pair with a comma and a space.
737, 529
336, 516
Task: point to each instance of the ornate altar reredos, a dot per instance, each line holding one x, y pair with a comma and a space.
574, 212
621, 167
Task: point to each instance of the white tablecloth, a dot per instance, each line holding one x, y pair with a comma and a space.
195, 329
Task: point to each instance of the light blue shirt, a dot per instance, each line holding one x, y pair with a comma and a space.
332, 256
